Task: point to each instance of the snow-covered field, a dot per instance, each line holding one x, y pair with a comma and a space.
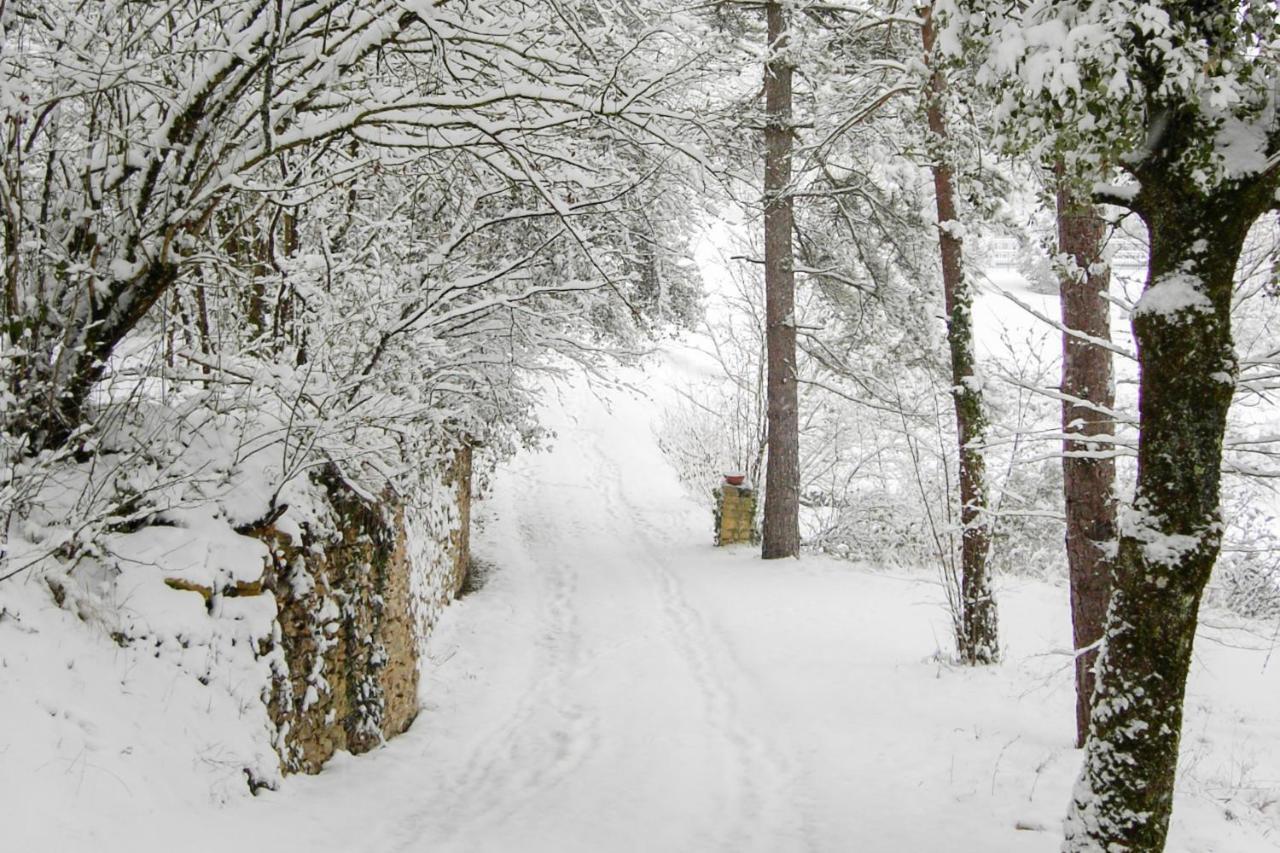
618, 684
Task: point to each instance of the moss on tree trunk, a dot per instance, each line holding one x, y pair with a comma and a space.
977, 640
1171, 537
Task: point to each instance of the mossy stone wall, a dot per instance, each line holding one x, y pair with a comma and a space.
350, 628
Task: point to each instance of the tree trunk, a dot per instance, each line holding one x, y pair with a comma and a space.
1169, 542
978, 640
782, 474
1087, 481
55, 385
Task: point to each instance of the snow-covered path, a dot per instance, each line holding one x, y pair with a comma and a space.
619, 721
680, 698
618, 685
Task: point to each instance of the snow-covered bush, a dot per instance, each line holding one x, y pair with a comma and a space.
312, 250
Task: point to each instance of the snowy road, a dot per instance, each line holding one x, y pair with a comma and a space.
619, 725
620, 686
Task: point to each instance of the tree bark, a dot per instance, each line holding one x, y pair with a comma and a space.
978, 640
781, 534
1087, 480
54, 389
1169, 542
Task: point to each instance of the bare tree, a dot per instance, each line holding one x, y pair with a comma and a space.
185, 139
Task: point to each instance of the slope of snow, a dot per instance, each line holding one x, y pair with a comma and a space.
620, 685
100, 745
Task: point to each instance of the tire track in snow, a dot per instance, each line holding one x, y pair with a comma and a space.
547, 736
767, 782
522, 756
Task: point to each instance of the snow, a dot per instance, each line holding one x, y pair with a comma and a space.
618, 684
123, 270
1127, 192
1172, 294
1243, 146
1159, 547
204, 557
953, 228
100, 741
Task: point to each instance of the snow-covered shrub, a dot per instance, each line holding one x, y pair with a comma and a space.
1246, 579
709, 433
1023, 454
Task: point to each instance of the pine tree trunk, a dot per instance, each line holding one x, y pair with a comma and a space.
1088, 483
1169, 543
978, 640
782, 475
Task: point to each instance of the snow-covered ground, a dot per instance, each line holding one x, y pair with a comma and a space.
618, 684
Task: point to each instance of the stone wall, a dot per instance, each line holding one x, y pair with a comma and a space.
354, 611
459, 474
735, 515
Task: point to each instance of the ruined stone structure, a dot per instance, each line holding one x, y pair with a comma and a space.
735, 514
354, 611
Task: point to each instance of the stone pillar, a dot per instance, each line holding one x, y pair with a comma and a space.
735, 515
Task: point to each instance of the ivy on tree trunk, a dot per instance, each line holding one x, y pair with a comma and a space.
1171, 537
977, 640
